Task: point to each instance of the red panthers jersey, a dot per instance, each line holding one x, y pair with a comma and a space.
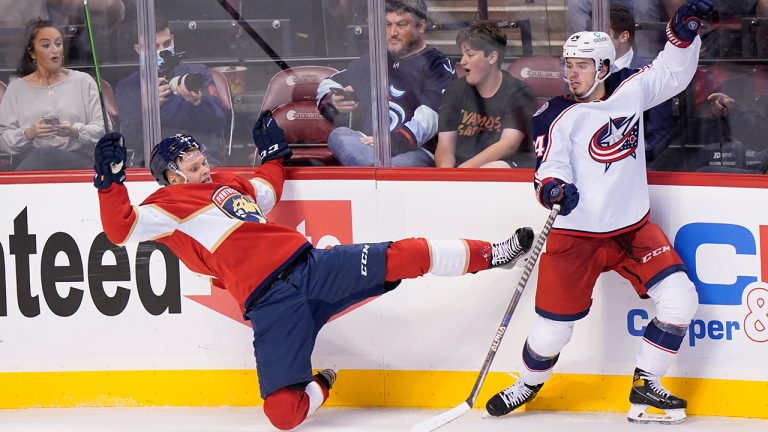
217, 229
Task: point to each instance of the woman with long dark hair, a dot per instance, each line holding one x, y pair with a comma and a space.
51, 116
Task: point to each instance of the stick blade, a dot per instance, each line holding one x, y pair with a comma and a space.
442, 419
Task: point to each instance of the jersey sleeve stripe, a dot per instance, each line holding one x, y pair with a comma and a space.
133, 226
151, 222
266, 197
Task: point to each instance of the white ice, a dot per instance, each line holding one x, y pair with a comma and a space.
251, 419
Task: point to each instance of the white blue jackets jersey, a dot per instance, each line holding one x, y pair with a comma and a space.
600, 147
416, 86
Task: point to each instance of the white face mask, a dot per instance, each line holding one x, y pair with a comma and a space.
160, 59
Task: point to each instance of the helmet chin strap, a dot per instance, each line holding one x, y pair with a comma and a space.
598, 80
178, 172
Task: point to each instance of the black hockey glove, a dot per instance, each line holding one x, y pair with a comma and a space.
555, 191
270, 139
109, 156
683, 28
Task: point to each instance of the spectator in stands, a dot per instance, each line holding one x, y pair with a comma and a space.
739, 117
418, 75
649, 42
657, 120
105, 15
51, 116
184, 107
485, 116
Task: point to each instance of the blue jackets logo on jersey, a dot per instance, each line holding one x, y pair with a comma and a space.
615, 140
237, 206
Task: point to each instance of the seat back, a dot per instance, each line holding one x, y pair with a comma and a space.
6, 160
110, 104
224, 92
290, 95
294, 85
541, 73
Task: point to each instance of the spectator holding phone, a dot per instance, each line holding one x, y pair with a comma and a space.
418, 75
51, 116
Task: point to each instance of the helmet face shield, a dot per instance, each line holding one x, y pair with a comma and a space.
166, 153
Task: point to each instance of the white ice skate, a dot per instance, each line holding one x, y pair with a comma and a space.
648, 392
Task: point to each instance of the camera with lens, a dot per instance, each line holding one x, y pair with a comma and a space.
192, 81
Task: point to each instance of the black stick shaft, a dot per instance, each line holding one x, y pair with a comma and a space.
253, 34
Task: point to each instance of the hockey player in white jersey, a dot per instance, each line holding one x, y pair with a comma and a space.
591, 160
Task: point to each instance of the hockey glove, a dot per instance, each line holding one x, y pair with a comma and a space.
270, 139
109, 156
683, 28
402, 140
555, 191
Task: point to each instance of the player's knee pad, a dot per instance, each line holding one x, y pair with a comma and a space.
286, 408
548, 337
676, 299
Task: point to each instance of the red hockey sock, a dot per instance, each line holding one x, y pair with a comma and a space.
286, 408
480, 254
407, 259
410, 258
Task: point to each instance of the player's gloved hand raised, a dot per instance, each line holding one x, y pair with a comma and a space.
109, 156
685, 25
555, 191
270, 139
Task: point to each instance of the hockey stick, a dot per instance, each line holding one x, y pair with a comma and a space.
96, 65
439, 420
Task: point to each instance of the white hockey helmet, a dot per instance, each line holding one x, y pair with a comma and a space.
595, 45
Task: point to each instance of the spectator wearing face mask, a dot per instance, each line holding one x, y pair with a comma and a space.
187, 105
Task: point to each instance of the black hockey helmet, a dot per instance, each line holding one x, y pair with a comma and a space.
165, 154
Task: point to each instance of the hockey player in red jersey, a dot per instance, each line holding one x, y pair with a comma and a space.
591, 161
216, 223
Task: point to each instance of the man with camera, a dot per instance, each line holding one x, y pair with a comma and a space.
188, 101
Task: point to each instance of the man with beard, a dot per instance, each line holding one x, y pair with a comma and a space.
418, 75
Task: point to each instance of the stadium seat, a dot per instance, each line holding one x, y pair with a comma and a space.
110, 104
291, 96
224, 93
542, 73
6, 159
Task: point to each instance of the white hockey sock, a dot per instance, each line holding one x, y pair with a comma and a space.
448, 257
316, 396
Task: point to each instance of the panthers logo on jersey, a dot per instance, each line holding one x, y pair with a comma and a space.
238, 206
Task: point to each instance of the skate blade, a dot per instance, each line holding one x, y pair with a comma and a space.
638, 414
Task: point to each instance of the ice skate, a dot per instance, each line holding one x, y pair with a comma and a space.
509, 399
506, 253
327, 377
647, 391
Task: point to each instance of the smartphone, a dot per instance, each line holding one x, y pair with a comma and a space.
348, 96
51, 119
